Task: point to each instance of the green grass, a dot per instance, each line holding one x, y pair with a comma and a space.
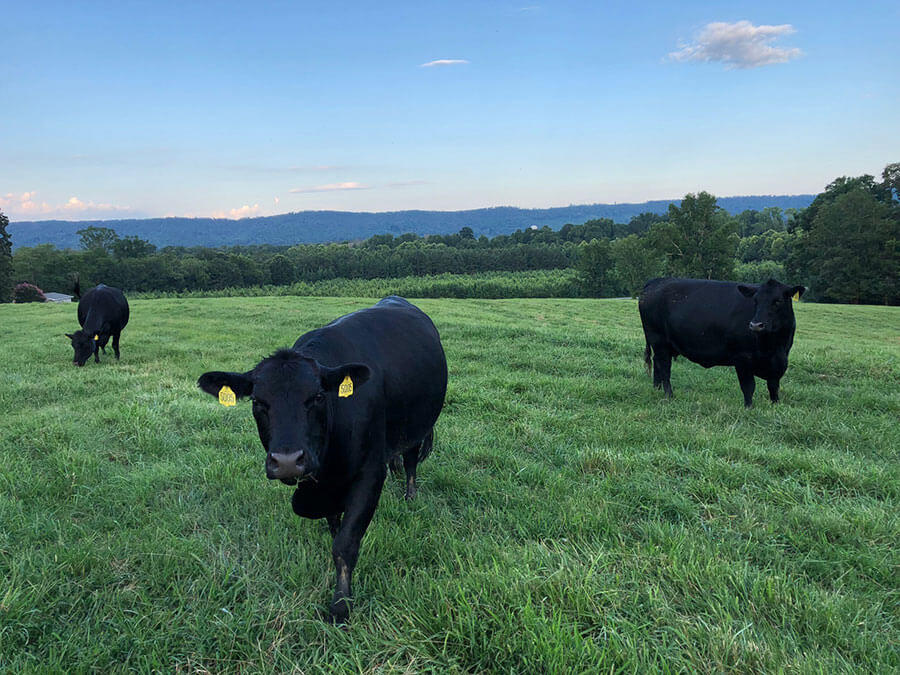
569, 519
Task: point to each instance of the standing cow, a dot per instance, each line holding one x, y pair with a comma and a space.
719, 323
336, 407
102, 313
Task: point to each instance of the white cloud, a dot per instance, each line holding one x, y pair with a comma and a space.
27, 206
245, 211
444, 62
739, 45
331, 187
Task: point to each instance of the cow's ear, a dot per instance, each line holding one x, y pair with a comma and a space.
70, 336
747, 291
344, 379
239, 383
796, 290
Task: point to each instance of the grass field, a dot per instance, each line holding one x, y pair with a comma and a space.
569, 519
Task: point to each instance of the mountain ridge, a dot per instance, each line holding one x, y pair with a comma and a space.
310, 227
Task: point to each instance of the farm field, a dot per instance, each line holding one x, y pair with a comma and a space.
568, 520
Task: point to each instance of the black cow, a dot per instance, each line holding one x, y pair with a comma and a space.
102, 313
719, 323
334, 409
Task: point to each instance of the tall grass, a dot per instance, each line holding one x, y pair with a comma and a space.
568, 520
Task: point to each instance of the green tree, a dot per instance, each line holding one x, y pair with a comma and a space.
594, 264
851, 251
635, 263
97, 238
281, 270
699, 240
6, 261
128, 247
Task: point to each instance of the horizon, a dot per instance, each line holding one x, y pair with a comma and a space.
231, 111
397, 211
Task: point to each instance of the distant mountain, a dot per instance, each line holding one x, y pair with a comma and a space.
324, 226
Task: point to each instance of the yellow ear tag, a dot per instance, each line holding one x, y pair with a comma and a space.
796, 297
346, 388
226, 396
96, 337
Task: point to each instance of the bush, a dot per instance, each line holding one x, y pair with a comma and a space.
26, 292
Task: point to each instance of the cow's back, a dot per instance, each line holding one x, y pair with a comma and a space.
103, 305
402, 348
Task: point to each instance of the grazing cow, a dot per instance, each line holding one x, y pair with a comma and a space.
102, 313
719, 323
334, 409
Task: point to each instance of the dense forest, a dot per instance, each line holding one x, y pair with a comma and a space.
316, 227
843, 247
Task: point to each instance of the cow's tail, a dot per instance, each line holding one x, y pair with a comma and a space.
427, 445
647, 359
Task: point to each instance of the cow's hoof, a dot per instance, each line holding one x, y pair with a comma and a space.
339, 614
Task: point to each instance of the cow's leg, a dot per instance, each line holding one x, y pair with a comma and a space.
364, 497
662, 369
96, 352
773, 388
748, 383
334, 524
396, 464
411, 459
116, 344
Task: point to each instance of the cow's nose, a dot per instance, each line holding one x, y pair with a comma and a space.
757, 326
284, 464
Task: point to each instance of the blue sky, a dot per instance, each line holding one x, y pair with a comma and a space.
141, 109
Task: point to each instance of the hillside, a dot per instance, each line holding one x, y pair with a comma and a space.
325, 226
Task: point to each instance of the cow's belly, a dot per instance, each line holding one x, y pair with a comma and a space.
706, 355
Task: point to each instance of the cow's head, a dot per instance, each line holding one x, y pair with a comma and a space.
84, 344
293, 398
773, 305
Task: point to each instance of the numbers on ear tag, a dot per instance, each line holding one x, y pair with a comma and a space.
226, 396
346, 388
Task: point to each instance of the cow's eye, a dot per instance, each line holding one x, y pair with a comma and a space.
318, 399
259, 405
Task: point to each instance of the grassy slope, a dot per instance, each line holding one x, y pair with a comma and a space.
567, 518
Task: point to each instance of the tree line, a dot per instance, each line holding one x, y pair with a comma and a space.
843, 247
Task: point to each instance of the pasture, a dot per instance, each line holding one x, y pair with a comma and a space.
568, 520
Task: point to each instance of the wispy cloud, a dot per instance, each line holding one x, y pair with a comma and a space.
407, 183
444, 62
738, 45
312, 168
331, 187
27, 205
